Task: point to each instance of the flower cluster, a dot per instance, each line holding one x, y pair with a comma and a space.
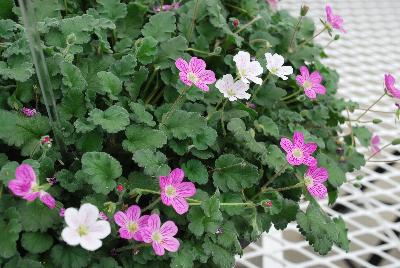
29, 112
297, 153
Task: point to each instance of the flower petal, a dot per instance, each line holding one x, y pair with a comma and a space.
171, 244
197, 65
71, 216
176, 175
318, 174
300, 80
202, 86
90, 242
100, 229
298, 139
207, 77
180, 205
293, 160
31, 196
183, 77
242, 58
165, 199
88, 213
286, 145
310, 93
182, 65
133, 213
255, 79
318, 190
48, 200
304, 72
158, 248
125, 233
186, 189
309, 148
310, 161
70, 236
120, 218
315, 77
319, 89
153, 222
169, 228
25, 173
146, 235
18, 187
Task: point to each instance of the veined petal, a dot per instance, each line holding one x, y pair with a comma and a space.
207, 77
309, 148
256, 80
125, 233
70, 236
100, 229
180, 205
197, 65
171, 244
202, 86
31, 196
164, 181
71, 216
153, 222
165, 199
133, 212
183, 77
315, 77
320, 89
47, 199
176, 175
286, 145
309, 161
169, 228
146, 235
285, 70
158, 248
90, 242
25, 172
310, 93
88, 213
18, 187
186, 189
293, 160
318, 174
120, 218
318, 190
298, 139
242, 58
277, 60
182, 65
304, 72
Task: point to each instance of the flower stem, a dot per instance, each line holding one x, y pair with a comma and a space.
201, 51
298, 185
372, 105
152, 76
375, 111
247, 25
173, 107
380, 150
277, 174
250, 204
152, 204
191, 29
297, 27
350, 127
312, 38
294, 94
222, 117
384, 161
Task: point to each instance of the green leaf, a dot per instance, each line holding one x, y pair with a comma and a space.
170, 50
72, 77
234, 173
336, 175
287, 214
110, 83
154, 163
36, 242
35, 216
16, 69
205, 139
363, 135
68, 180
146, 49
220, 256
113, 120
130, 26
269, 94
275, 158
70, 257
83, 126
6, 7
102, 170
112, 9
10, 228
139, 137
125, 67
138, 78
196, 171
73, 104
7, 172
105, 262
267, 126
342, 240
160, 26
182, 124
141, 115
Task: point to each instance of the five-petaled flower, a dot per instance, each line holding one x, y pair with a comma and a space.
26, 186
161, 236
275, 66
83, 227
173, 6
29, 112
390, 87
299, 152
311, 83
248, 70
195, 73
231, 89
314, 179
375, 141
174, 191
335, 21
131, 223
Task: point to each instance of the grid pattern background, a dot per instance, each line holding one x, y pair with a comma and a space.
362, 56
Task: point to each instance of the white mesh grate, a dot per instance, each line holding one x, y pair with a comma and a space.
362, 57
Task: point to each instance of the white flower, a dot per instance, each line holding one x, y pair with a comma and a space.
232, 90
275, 66
248, 70
83, 228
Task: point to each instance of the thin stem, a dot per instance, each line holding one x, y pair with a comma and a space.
271, 180
222, 117
298, 185
294, 32
173, 108
152, 76
244, 11
216, 108
191, 29
294, 94
375, 111
66, 7
380, 150
34, 150
247, 24
250, 204
372, 105
234, 165
152, 204
312, 38
384, 161
351, 127
201, 51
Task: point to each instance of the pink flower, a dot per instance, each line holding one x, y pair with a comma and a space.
26, 186
390, 87
161, 237
195, 73
335, 21
174, 191
173, 6
29, 112
314, 179
103, 216
299, 152
273, 4
62, 212
375, 141
310, 82
131, 223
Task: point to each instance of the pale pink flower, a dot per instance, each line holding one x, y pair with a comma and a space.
131, 223
161, 237
335, 21
314, 179
375, 141
26, 186
273, 4
390, 87
29, 112
173, 6
174, 191
311, 83
195, 73
299, 152
248, 69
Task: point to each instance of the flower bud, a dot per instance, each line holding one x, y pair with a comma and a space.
235, 23
304, 10
217, 50
337, 37
71, 39
396, 141
120, 187
377, 121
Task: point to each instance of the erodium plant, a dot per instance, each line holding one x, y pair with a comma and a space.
189, 129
